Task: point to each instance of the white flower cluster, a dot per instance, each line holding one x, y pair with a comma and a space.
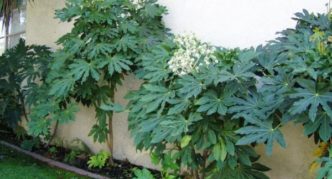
190, 55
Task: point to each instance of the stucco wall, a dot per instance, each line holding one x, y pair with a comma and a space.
229, 23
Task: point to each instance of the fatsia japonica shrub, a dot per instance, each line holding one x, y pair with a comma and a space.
21, 69
106, 39
296, 72
183, 113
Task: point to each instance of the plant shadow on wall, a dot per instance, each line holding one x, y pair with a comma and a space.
203, 108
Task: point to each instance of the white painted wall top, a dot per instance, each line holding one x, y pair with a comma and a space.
236, 23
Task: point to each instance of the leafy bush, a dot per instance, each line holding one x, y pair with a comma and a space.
204, 110
142, 174
190, 105
107, 37
297, 78
20, 68
200, 107
99, 160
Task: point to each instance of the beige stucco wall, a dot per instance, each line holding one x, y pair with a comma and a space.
230, 23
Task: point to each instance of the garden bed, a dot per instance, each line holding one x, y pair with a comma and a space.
118, 170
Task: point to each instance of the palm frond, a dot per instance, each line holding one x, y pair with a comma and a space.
7, 8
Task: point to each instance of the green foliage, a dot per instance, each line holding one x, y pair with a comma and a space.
305, 92
99, 160
206, 120
52, 151
295, 85
107, 38
326, 170
194, 113
30, 144
142, 174
322, 166
212, 114
21, 67
71, 157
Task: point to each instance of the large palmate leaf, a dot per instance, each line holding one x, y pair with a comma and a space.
262, 132
279, 84
67, 115
103, 49
171, 128
154, 64
310, 98
156, 97
243, 68
211, 103
180, 105
117, 63
190, 86
81, 70
255, 104
125, 43
62, 87
322, 124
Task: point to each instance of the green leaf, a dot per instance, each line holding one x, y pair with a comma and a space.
170, 129
153, 10
117, 63
322, 125
309, 98
99, 50
142, 174
325, 170
156, 97
100, 130
219, 151
185, 141
190, 87
279, 84
99, 133
179, 105
261, 134
67, 115
62, 87
81, 70
126, 42
211, 103
115, 107
254, 105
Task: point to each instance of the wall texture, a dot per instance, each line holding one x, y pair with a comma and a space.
229, 23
